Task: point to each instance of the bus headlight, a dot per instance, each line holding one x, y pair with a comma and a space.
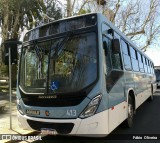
19, 108
91, 108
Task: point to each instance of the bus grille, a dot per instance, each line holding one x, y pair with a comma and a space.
61, 128
58, 102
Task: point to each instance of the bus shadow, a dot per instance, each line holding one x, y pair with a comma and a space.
158, 91
71, 139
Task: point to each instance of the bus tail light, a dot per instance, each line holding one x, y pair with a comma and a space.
91, 108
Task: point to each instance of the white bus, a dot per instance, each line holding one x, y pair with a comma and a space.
81, 76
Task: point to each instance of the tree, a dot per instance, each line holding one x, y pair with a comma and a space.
52, 12
138, 20
16, 15
53, 9
76, 7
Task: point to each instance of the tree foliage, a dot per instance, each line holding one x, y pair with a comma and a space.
53, 10
17, 15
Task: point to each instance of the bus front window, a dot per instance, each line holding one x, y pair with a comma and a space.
34, 67
49, 67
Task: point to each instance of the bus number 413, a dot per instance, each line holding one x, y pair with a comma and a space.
72, 113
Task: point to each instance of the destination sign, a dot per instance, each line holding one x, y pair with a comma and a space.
61, 26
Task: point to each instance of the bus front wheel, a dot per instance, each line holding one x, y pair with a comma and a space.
129, 121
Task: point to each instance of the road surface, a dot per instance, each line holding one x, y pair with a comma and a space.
146, 121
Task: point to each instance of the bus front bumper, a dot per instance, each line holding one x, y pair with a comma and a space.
95, 126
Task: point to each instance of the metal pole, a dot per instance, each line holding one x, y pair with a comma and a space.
10, 88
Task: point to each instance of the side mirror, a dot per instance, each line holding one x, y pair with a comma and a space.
105, 47
115, 46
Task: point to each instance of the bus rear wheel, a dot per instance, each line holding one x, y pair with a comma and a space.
129, 121
151, 97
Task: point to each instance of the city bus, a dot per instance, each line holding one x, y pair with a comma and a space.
157, 73
81, 76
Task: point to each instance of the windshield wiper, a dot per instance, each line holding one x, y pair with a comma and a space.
38, 52
58, 50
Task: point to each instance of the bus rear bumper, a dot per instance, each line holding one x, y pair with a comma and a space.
95, 126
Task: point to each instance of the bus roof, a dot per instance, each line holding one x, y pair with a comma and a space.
109, 23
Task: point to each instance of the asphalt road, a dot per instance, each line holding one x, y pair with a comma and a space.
146, 121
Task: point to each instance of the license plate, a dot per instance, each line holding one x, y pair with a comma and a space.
33, 112
47, 131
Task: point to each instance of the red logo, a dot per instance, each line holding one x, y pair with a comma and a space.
47, 113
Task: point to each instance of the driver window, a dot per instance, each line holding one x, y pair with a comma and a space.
113, 61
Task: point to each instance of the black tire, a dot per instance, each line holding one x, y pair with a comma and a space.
129, 121
151, 97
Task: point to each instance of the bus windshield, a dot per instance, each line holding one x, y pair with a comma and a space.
59, 65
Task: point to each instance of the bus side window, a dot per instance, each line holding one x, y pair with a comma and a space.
134, 59
144, 64
107, 45
113, 61
141, 68
126, 55
116, 61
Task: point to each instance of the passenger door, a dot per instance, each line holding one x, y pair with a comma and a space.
114, 84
